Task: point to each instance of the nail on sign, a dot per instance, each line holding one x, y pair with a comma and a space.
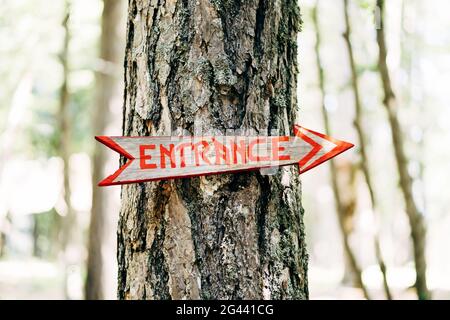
156, 158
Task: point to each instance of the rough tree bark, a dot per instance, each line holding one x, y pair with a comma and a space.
337, 192
364, 164
416, 220
107, 85
212, 65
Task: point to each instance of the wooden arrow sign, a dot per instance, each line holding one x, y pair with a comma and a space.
156, 158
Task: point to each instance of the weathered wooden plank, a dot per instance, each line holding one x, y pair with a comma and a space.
155, 158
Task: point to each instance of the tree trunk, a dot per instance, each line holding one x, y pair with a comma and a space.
416, 221
337, 192
212, 66
363, 145
107, 85
35, 234
69, 219
3, 225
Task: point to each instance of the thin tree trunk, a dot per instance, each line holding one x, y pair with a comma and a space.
416, 221
340, 208
3, 237
363, 143
107, 85
64, 148
347, 184
4, 234
35, 234
2, 244
412, 50
212, 66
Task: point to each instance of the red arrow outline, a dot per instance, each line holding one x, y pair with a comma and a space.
316, 147
341, 146
107, 141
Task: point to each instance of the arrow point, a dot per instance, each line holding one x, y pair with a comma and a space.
344, 145
340, 147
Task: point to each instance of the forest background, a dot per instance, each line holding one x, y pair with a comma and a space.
61, 71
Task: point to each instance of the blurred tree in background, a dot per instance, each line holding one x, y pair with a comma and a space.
108, 92
48, 104
416, 220
344, 211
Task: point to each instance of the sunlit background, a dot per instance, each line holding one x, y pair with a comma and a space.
36, 264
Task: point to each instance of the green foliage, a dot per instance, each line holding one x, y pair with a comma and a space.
31, 47
45, 231
366, 4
